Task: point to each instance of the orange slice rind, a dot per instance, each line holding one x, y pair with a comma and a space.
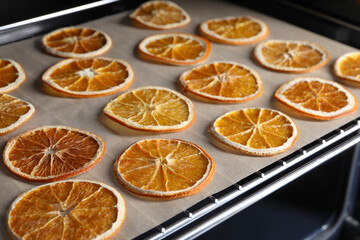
11, 75
52, 153
164, 168
160, 15
89, 77
317, 98
154, 109
290, 56
347, 67
14, 112
223, 81
255, 131
72, 209
234, 30
174, 48
76, 42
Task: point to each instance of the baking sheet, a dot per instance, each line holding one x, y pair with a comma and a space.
86, 114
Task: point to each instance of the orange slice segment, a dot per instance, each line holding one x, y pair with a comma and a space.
256, 131
234, 30
52, 153
160, 15
11, 75
76, 42
291, 56
317, 98
223, 82
155, 109
75, 209
90, 77
174, 48
164, 168
347, 67
14, 112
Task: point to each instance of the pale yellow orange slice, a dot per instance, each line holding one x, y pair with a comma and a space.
347, 67
155, 109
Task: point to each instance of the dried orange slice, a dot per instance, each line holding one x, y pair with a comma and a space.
174, 48
256, 131
155, 109
14, 112
11, 75
223, 81
291, 56
164, 168
347, 67
160, 15
89, 77
76, 42
234, 30
75, 209
52, 153
317, 98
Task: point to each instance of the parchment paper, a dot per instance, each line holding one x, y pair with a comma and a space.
86, 114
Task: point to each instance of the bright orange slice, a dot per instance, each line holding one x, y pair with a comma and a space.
234, 30
154, 109
52, 153
76, 42
317, 98
164, 168
223, 81
160, 15
11, 75
14, 112
256, 131
174, 48
67, 210
291, 56
347, 67
89, 77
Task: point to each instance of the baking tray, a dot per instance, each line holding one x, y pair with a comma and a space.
142, 214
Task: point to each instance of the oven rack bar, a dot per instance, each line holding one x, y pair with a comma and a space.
304, 157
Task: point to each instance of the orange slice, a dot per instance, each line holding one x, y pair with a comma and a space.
164, 168
347, 67
76, 42
174, 48
11, 75
291, 56
90, 77
234, 30
317, 98
52, 153
155, 109
160, 15
223, 82
75, 209
256, 131
14, 112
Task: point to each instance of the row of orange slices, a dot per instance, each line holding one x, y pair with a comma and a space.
169, 168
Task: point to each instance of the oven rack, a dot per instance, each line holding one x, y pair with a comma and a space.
257, 185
